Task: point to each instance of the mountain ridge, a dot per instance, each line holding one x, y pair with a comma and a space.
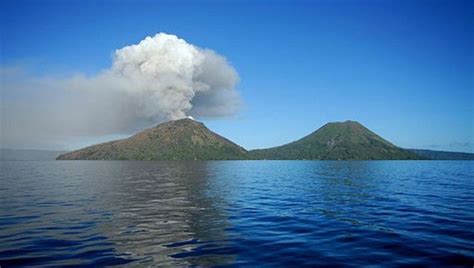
442, 155
187, 139
183, 139
348, 140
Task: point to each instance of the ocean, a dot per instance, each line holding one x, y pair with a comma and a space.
237, 213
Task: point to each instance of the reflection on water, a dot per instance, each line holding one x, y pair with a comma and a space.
237, 213
168, 210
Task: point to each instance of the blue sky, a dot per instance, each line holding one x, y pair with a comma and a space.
404, 69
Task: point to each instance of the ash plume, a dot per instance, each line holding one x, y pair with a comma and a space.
159, 79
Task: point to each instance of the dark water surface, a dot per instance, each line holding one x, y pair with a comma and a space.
249, 213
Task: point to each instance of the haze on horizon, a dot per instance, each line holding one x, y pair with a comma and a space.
261, 74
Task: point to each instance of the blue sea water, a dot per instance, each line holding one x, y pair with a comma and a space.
238, 213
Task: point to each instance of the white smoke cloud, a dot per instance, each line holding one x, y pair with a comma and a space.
161, 78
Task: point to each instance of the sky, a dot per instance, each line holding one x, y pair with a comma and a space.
404, 69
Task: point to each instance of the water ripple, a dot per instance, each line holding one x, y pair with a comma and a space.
242, 213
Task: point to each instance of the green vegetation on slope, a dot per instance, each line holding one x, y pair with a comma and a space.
187, 139
183, 139
347, 140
